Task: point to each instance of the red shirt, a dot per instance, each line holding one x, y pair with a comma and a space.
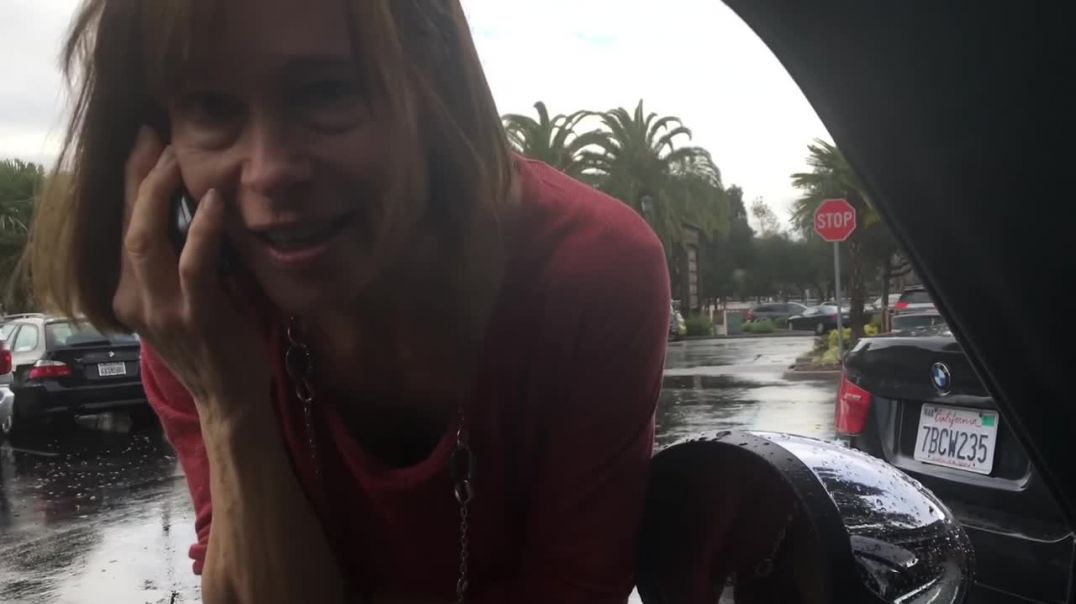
561, 425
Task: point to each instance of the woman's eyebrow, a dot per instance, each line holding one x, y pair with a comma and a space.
319, 63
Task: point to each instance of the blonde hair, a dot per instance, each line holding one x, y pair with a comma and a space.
124, 56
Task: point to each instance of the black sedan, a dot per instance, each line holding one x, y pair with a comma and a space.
916, 403
65, 368
819, 319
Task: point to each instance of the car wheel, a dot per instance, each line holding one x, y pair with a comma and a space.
820, 329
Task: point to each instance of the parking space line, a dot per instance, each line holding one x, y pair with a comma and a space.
35, 452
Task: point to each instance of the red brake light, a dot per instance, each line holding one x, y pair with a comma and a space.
5, 360
900, 305
49, 369
853, 403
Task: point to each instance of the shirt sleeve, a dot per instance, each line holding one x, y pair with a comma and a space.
179, 418
587, 495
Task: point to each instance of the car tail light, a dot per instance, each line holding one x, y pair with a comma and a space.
5, 361
49, 369
853, 403
900, 305
750, 315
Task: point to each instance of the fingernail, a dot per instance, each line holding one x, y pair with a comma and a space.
211, 199
146, 135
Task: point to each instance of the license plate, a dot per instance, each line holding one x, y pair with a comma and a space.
111, 369
957, 438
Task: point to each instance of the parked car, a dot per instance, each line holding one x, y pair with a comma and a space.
778, 312
914, 299
677, 324
917, 323
819, 319
916, 403
891, 302
64, 368
7, 397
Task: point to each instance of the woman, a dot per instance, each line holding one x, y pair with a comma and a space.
429, 373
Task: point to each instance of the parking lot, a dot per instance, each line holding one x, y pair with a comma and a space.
99, 511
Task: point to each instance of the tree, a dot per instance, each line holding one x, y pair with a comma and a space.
883, 252
767, 220
832, 177
553, 140
20, 182
640, 164
728, 256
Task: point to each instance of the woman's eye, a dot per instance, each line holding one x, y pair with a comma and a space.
328, 93
211, 108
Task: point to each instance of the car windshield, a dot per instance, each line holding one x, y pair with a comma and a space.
907, 322
916, 297
60, 334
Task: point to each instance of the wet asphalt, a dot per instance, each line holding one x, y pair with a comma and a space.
98, 511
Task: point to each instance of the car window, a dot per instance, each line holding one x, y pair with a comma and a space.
7, 331
68, 333
916, 297
903, 322
26, 339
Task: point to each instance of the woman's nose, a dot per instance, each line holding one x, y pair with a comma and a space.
273, 164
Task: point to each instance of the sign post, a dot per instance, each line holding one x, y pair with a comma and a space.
835, 221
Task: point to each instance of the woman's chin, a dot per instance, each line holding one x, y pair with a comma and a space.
309, 294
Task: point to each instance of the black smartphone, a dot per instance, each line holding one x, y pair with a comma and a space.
183, 209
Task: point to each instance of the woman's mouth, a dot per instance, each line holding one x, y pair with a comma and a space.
300, 244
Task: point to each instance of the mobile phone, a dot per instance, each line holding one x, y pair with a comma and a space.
183, 209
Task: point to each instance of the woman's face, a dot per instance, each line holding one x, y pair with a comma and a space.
279, 122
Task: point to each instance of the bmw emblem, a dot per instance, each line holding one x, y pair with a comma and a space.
941, 378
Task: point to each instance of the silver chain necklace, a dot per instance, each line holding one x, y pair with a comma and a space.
299, 363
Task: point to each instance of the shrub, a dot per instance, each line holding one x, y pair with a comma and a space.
831, 342
762, 326
699, 325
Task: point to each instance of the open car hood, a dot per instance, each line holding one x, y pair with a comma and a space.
959, 117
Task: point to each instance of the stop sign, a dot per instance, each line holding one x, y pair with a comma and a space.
835, 220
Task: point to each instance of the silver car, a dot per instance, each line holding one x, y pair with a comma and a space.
914, 299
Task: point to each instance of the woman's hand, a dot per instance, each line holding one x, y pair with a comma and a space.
181, 307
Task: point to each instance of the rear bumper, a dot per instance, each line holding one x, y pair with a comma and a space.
36, 400
1020, 556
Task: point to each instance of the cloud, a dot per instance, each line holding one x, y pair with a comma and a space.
691, 58
32, 94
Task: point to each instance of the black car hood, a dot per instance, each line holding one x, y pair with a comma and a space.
958, 118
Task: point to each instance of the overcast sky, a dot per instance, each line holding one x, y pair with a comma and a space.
691, 58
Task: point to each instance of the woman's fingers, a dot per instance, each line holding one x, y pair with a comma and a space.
144, 155
199, 262
127, 302
146, 243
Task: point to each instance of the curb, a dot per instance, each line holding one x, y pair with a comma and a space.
747, 336
815, 374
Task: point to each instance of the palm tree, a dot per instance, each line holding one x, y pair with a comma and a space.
832, 177
20, 182
553, 140
640, 164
